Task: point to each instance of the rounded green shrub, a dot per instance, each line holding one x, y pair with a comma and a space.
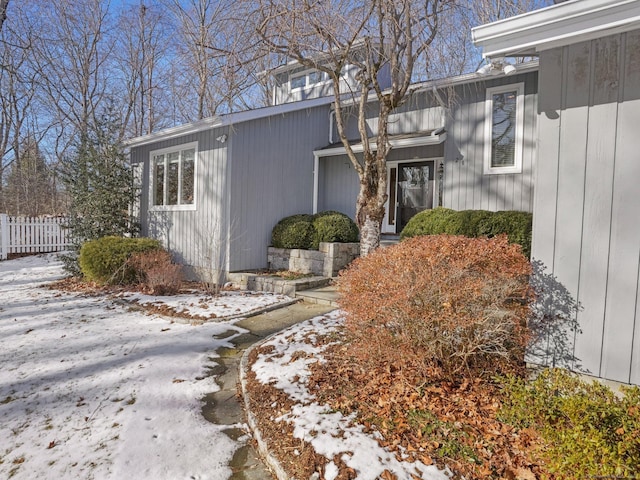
333, 226
473, 223
105, 260
468, 222
295, 231
516, 225
429, 222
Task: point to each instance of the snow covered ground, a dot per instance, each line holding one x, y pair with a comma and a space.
90, 390
331, 434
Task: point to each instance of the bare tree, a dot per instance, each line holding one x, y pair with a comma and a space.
18, 102
373, 36
141, 54
30, 186
72, 54
4, 4
199, 22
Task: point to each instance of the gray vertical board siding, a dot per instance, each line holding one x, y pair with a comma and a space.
586, 229
187, 233
546, 192
466, 187
629, 151
619, 345
596, 239
339, 187
421, 112
271, 177
571, 180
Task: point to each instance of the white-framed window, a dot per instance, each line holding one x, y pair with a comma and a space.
504, 125
306, 79
173, 177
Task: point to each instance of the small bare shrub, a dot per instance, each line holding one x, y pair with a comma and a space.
157, 272
455, 303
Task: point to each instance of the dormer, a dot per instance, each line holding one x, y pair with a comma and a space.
294, 82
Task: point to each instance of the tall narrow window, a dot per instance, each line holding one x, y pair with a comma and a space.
503, 129
173, 176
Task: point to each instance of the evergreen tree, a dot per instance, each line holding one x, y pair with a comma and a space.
99, 182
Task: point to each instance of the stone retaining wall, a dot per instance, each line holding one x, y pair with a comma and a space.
267, 283
327, 261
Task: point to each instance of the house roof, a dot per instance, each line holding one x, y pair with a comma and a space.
555, 26
226, 120
415, 139
264, 112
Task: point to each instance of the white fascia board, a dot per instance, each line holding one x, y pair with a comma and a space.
180, 130
433, 139
227, 120
558, 25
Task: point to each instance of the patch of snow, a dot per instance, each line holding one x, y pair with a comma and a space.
89, 390
329, 432
227, 304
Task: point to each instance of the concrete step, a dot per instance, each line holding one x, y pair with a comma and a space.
327, 295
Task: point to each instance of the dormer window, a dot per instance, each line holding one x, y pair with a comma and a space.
306, 79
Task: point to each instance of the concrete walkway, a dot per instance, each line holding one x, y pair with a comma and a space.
225, 407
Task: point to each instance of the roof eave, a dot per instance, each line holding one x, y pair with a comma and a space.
179, 131
556, 25
226, 120
438, 136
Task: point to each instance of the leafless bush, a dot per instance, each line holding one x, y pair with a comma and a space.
157, 272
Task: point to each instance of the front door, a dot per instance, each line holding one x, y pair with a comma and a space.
411, 190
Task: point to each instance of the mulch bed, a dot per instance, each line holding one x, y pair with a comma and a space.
444, 423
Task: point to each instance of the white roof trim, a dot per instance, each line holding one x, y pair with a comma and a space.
438, 136
226, 120
558, 25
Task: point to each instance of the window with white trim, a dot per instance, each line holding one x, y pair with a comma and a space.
504, 123
307, 79
173, 177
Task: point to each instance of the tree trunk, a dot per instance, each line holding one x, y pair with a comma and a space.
370, 206
369, 236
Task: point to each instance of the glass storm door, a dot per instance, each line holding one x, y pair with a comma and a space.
411, 190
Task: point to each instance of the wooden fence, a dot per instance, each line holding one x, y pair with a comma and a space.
31, 235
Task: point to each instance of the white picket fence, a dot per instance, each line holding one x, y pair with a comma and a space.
31, 235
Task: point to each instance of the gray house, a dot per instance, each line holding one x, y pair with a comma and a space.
215, 188
586, 230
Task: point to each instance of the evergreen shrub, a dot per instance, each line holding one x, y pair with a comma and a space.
295, 231
333, 226
307, 231
105, 260
473, 223
458, 304
430, 222
588, 430
516, 225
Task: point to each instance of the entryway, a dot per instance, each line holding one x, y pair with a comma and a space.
411, 188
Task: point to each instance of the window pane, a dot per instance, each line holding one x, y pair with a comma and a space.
315, 77
172, 178
503, 133
188, 177
158, 180
298, 82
